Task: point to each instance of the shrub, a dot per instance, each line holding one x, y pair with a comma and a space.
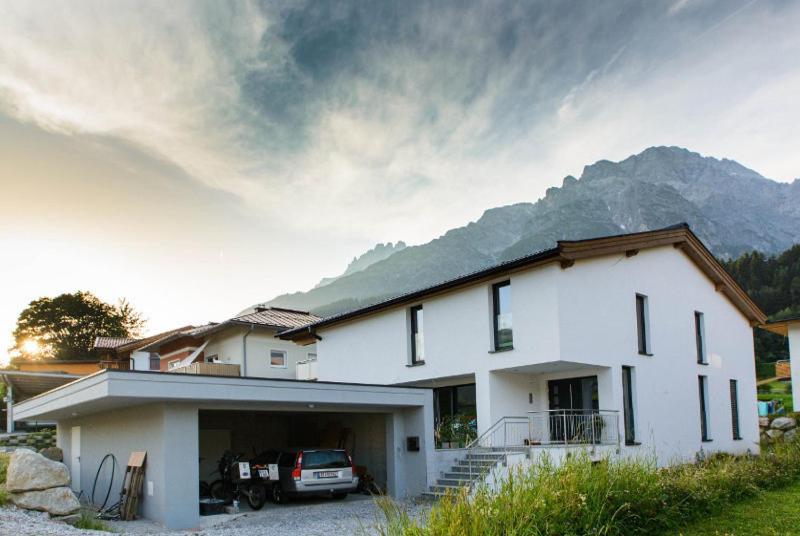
88, 521
613, 497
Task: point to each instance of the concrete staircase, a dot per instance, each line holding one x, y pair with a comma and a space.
466, 471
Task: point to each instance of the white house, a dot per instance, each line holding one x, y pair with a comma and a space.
641, 340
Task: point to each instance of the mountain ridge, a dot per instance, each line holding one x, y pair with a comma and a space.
733, 209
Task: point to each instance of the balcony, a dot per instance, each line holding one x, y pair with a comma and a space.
306, 370
209, 369
115, 365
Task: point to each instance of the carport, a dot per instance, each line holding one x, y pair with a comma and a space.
183, 420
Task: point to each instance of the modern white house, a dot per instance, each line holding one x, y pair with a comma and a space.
632, 345
640, 342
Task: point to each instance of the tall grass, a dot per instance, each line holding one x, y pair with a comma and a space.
579, 497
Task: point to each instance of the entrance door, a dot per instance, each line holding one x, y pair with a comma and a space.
75, 459
573, 404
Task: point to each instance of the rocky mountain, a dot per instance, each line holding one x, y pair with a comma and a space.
365, 260
731, 208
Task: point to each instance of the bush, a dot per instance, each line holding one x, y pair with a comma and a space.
89, 522
607, 498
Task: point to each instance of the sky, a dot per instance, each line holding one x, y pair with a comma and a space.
199, 157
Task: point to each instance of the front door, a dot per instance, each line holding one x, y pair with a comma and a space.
75, 459
573, 402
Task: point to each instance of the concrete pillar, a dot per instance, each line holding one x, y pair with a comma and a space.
794, 362
180, 467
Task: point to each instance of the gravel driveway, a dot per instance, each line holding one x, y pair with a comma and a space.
313, 517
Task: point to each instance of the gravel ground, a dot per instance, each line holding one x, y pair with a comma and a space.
356, 515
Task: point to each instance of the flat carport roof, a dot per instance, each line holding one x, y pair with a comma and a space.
111, 389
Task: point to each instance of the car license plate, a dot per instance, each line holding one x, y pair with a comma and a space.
263, 473
328, 474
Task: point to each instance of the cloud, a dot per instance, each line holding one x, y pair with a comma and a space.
398, 120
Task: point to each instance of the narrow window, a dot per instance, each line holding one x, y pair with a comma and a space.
417, 336
642, 325
702, 383
627, 405
277, 358
311, 356
155, 362
501, 300
700, 337
735, 409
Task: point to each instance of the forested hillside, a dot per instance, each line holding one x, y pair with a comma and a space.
774, 284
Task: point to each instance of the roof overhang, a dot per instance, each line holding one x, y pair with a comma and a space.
566, 253
781, 327
111, 389
26, 384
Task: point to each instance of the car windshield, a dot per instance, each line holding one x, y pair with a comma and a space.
323, 459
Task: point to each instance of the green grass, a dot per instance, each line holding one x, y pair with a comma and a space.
88, 521
4, 458
769, 513
614, 497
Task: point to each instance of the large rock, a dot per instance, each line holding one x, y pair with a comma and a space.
53, 453
55, 501
774, 434
784, 423
30, 471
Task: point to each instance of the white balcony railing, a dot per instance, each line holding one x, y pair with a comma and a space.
306, 370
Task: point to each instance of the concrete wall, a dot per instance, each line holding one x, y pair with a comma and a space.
407, 473
227, 345
574, 322
168, 433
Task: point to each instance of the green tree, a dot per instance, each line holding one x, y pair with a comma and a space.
65, 327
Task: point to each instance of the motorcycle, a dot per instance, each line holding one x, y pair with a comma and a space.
236, 479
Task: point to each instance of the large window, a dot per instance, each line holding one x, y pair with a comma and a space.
454, 400
643, 324
735, 409
417, 336
700, 337
627, 405
501, 300
277, 358
702, 384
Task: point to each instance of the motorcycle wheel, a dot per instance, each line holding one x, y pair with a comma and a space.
220, 491
256, 496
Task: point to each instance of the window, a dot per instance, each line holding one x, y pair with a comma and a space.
702, 383
213, 358
735, 409
454, 400
311, 356
417, 336
627, 405
277, 358
155, 362
700, 337
501, 300
642, 324
173, 364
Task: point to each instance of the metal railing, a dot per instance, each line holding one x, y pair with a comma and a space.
573, 427
506, 435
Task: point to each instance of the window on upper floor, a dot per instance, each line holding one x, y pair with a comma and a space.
643, 324
155, 362
501, 304
700, 337
417, 335
311, 356
175, 363
277, 358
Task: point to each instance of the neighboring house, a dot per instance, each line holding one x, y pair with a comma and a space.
639, 340
790, 328
245, 345
66, 366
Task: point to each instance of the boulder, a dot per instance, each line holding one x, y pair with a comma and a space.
53, 453
763, 422
774, 434
784, 423
55, 501
30, 471
790, 435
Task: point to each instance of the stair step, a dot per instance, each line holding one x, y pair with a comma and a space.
457, 475
458, 482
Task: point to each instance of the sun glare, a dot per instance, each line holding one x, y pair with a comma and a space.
30, 347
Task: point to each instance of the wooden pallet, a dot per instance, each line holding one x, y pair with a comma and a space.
132, 483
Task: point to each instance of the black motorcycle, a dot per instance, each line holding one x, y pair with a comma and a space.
233, 483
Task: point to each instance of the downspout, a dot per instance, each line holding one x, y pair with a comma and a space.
244, 349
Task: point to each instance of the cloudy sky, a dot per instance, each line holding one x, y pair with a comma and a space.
199, 157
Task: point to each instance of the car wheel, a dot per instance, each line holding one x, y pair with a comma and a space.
256, 496
339, 496
278, 496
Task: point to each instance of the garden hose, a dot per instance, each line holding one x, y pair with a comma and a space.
110, 484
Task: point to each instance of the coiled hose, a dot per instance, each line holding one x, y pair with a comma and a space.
110, 483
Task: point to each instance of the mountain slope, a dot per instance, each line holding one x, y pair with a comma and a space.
731, 208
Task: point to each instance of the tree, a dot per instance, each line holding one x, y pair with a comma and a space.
65, 327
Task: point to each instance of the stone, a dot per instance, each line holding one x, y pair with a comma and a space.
55, 501
774, 434
53, 453
784, 423
71, 519
763, 422
30, 471
790, 435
